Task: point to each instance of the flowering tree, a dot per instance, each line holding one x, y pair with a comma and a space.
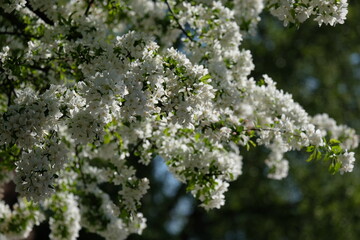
92, 88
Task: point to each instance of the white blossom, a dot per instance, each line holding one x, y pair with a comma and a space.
347, 162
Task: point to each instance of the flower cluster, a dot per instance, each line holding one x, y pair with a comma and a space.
65, 219
18, 222
94, 90
297, 11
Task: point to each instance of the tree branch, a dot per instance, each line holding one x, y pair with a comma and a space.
40, 14
88, 7
178, 23
17, 34
17, 24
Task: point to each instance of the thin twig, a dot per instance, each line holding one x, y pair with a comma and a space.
9, 98
16, 34
88, 7
9, 33
265, 129
177, 21
273, 129
82, 175
43, 69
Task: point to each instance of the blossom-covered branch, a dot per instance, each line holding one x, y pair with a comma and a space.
96, 91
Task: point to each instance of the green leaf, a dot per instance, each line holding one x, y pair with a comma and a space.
252, 143
205, 78
261, 82
197, 137
310, 148
336, 149
167, 132
334, 142
107, 139
312, 156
